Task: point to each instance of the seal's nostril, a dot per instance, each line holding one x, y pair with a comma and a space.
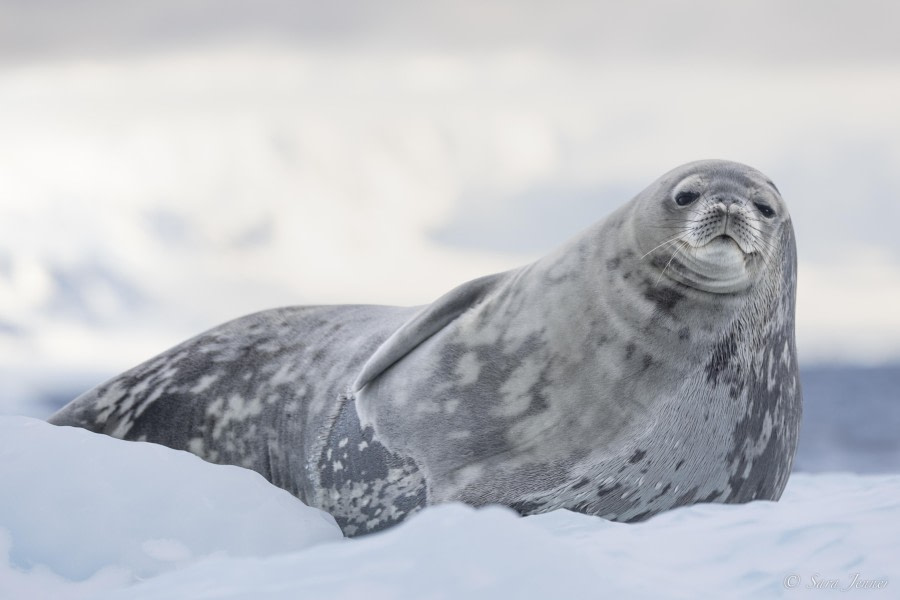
729, 199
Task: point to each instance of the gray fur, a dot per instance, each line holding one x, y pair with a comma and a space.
649, 363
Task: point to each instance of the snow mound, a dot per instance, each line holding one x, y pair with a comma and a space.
827, 529
81, 507
447, 551
82, 515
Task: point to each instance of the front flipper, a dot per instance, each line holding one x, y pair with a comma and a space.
425, 324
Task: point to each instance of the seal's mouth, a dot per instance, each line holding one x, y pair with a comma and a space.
725, 241
719, 266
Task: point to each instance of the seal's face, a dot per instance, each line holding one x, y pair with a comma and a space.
716, 226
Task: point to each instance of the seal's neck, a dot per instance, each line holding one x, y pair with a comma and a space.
702, 396
602, 275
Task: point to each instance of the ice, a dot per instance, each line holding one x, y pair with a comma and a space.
85, 516
74, 503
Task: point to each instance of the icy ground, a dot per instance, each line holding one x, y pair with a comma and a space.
86, 516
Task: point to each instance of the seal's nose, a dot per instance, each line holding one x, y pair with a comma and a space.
723, 204
727, 200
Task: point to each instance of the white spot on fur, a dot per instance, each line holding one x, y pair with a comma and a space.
516, 390
468, 368
204, 383
282, 375
195, 446
108, 401
149, 400
427, 408
234, 409
468, 474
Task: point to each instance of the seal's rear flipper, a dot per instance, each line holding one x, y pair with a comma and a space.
74, 415
426, 323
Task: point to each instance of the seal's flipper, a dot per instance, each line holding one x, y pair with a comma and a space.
425, 324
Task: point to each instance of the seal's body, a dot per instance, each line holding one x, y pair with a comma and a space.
647, 364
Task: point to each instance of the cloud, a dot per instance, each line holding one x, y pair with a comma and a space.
847, 309
760, 32
224, 180
530, 222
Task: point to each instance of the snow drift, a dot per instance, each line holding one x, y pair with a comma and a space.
86, 516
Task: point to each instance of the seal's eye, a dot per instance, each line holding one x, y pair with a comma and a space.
765, 209
684, 198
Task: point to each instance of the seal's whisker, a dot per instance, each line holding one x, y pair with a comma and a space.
764, 242
681, 227
767, 250
674, 239
677, 249
770, 255
752, 226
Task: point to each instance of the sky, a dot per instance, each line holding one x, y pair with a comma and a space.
167, 166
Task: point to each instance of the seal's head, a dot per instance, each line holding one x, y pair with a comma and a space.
712, 225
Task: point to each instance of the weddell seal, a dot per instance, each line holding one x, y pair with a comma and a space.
648, 363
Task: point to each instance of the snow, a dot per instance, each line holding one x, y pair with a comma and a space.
86, 516
82, 507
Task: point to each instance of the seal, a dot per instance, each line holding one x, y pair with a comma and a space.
646, 364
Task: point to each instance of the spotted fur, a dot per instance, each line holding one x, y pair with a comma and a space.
647, 364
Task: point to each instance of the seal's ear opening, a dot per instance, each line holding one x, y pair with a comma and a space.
425, 324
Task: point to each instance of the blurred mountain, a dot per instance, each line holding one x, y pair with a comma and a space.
851, 418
